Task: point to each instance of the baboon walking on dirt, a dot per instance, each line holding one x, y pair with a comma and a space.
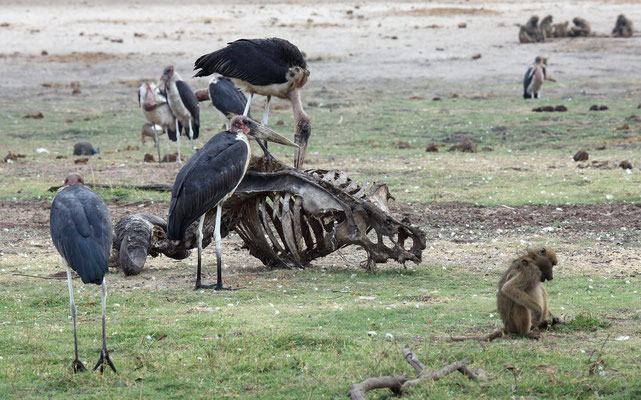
521, 299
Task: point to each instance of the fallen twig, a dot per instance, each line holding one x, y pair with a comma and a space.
155, 187
485, 338
399, 383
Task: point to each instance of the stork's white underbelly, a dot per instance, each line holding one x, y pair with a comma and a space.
161, 115
177, 107
275, 89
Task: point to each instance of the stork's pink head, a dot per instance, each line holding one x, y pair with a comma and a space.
74, 179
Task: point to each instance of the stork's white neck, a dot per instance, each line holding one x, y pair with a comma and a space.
297, 105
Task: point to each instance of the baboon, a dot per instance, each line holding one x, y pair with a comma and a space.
623, 27
521, 299
530, 32
546, 27
560, 30
580, 28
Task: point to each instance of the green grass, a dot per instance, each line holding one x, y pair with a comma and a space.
304, 334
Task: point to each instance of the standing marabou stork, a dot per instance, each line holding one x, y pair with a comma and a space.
209, 178
226, 97
269, 67
153, 104
533, 79
183, 104
81, 231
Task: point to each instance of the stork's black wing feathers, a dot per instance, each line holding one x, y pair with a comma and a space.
206, 178
81, 231
226, 97
527, 79
257, 61
190, 101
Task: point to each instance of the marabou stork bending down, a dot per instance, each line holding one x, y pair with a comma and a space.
533, 79
227, 98
183, 104
269, 67
209, 178
153, 104
81, 231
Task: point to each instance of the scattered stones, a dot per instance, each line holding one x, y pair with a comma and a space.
417, 98
60, 157
84, 148
11, 158
130, 148
432, 148
625, 164
75, 87
466, 146
623, 127
633, 117
602, 147
623, 27
149, 158
439, 99
171, 158
462, 25
487, 148
581, 155
595, 107
454, 95
280, 122
81, 160
476, 56
44, 53
403, 145
559, 108
34, 116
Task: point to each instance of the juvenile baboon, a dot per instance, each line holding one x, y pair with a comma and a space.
623, 27
560, 30
521, 299
530, 32
546, 27
580, 28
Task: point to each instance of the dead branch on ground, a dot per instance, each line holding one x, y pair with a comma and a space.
400, 383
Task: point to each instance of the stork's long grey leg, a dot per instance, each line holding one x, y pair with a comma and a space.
104, 353
178, 160
167, 142
264, 122
249, 102
219, 269
200, 250
191, 137
156, 139
266, 112
76, 365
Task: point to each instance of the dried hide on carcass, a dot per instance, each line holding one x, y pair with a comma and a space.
288, 218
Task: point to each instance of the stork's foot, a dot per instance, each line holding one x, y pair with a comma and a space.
78, 366
104, 359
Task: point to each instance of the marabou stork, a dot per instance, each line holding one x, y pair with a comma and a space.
153, 104
533, 79
81, 231
209, 178
269, 67
183, 104
226, 98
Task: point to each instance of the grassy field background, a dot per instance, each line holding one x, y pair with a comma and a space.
309, 334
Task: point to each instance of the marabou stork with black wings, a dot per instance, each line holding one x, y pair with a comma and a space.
81, 231
209, 178
269, 67
226, 97
153, 103
183, 104
533, 79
